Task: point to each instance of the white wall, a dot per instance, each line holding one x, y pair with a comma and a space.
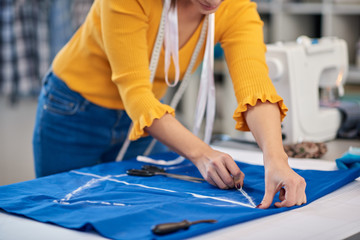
16, 126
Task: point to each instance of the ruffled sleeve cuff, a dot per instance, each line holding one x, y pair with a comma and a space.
146, 120
243, 107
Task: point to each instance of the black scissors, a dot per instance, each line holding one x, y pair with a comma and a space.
149, 171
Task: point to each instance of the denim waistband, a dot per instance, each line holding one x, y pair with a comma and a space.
52, 81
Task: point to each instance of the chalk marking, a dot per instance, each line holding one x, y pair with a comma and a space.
109, 178
247, 197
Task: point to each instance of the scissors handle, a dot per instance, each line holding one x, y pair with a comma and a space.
140, 172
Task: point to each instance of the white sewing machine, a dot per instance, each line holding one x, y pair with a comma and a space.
299, 71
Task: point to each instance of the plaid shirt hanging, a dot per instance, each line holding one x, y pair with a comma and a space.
31, 33
24, 57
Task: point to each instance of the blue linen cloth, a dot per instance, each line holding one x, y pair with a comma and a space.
118, 206
350, 159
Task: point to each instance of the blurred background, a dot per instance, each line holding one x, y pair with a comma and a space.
33, 31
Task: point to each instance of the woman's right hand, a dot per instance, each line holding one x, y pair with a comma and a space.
220, 170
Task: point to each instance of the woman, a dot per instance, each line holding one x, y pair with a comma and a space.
99, 84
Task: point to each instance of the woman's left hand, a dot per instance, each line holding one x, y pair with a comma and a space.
278, 174
280, 177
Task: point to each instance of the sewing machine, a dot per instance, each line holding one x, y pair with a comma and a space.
309, 74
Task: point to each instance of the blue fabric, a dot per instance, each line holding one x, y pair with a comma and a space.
350, 159
119, 206
81, 133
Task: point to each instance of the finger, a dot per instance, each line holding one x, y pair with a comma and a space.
238, 175
217, 180
302, 201
209, 180
268, 197
282, 194
294, 197
299, 203
290, 198
303, 187
289, 201
225, 176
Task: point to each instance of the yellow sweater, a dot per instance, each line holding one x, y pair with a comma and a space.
107, 59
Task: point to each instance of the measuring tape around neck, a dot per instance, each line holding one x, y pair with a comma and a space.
206, 96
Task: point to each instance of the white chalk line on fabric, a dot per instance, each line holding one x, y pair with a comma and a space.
221, 199
89, 184
90, 202
109, 178
247, 197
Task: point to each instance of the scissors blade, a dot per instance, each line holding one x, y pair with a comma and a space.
182, 177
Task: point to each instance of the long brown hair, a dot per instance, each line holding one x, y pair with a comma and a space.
173, 2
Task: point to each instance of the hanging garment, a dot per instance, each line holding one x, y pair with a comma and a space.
8, 59
65, 18
24, 43
59, 25
31, 51
79, 11
31, 33
105, 199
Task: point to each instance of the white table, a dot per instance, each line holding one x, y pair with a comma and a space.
335, 216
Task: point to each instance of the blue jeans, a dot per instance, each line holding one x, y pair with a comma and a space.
71, 132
